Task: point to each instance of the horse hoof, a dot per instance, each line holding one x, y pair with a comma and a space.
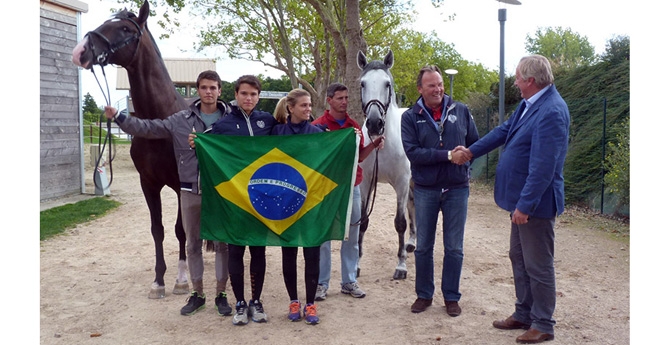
157, 292
410, 248
181, 288
399, 274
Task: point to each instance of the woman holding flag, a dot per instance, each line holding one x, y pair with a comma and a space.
294, 111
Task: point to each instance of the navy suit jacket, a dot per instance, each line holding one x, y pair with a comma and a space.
529, 173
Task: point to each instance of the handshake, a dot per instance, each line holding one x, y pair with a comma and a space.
460, 155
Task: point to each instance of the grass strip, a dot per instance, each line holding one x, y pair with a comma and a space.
57, 219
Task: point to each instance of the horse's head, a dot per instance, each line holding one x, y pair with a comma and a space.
114, 42
377, 91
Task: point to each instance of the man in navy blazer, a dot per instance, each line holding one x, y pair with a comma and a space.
529, 183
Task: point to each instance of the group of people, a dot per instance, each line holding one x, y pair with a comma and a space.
209, 114
440, 139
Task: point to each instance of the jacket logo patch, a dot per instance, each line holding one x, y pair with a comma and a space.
451, 118
261, 124
421, 121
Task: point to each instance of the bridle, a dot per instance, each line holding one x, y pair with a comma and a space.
373, 184
380, 107
102, 60
103, 57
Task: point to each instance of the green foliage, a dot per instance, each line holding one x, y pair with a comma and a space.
617, 50
93, 134
512, 95
587, 90
563, 47
55, 220
91, 111
617, 162
413, 50
267, 83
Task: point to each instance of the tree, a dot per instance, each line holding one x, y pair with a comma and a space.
91, 111
617, 50
564, 48
413, 49
313, 42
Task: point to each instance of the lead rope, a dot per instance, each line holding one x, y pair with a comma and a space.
373, 184
108, 136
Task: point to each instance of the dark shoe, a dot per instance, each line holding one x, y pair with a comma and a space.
510, 323
453, 309
221, 304
534, 336
421, 304
195, 304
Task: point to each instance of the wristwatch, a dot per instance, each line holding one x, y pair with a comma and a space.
449, 155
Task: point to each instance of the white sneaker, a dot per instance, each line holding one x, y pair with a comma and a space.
241, 316
256, 310
353, 289
321, 293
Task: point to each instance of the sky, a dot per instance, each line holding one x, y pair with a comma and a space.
475, 33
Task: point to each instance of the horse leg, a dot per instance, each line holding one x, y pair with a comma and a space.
181, 285
152, 197
363, 228
412, 239
400, 225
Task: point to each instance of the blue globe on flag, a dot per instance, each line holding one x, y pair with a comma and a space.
277, 191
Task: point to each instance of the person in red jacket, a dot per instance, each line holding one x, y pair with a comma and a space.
333, 119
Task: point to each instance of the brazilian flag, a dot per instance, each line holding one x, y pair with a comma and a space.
289, 190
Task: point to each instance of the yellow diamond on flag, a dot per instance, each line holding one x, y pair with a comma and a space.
276, 189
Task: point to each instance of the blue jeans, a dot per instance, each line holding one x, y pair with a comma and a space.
350, 250
428, 204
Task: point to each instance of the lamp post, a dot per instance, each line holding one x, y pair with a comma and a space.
451, 72
502, 18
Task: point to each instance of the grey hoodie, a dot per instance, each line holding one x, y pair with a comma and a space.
177, 127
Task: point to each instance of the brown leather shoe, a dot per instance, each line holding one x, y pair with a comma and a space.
421, 304
510, 323
534, 336
453, 309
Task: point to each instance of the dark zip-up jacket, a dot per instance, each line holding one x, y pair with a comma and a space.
235, 123
289, 128
429, 162
177, 126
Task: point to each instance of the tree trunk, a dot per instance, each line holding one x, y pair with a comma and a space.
355, 42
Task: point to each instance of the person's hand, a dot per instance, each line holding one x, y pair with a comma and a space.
110, 112
519, 218
379, 142
191, 139
460, 155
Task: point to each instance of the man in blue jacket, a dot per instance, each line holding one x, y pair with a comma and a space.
244, 119
529, 183
430, 131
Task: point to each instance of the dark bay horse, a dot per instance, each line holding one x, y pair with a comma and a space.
389, 165
125, 40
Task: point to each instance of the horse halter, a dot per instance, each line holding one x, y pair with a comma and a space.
102, 57
382, 108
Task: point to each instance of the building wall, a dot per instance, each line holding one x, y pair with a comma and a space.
60, 148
